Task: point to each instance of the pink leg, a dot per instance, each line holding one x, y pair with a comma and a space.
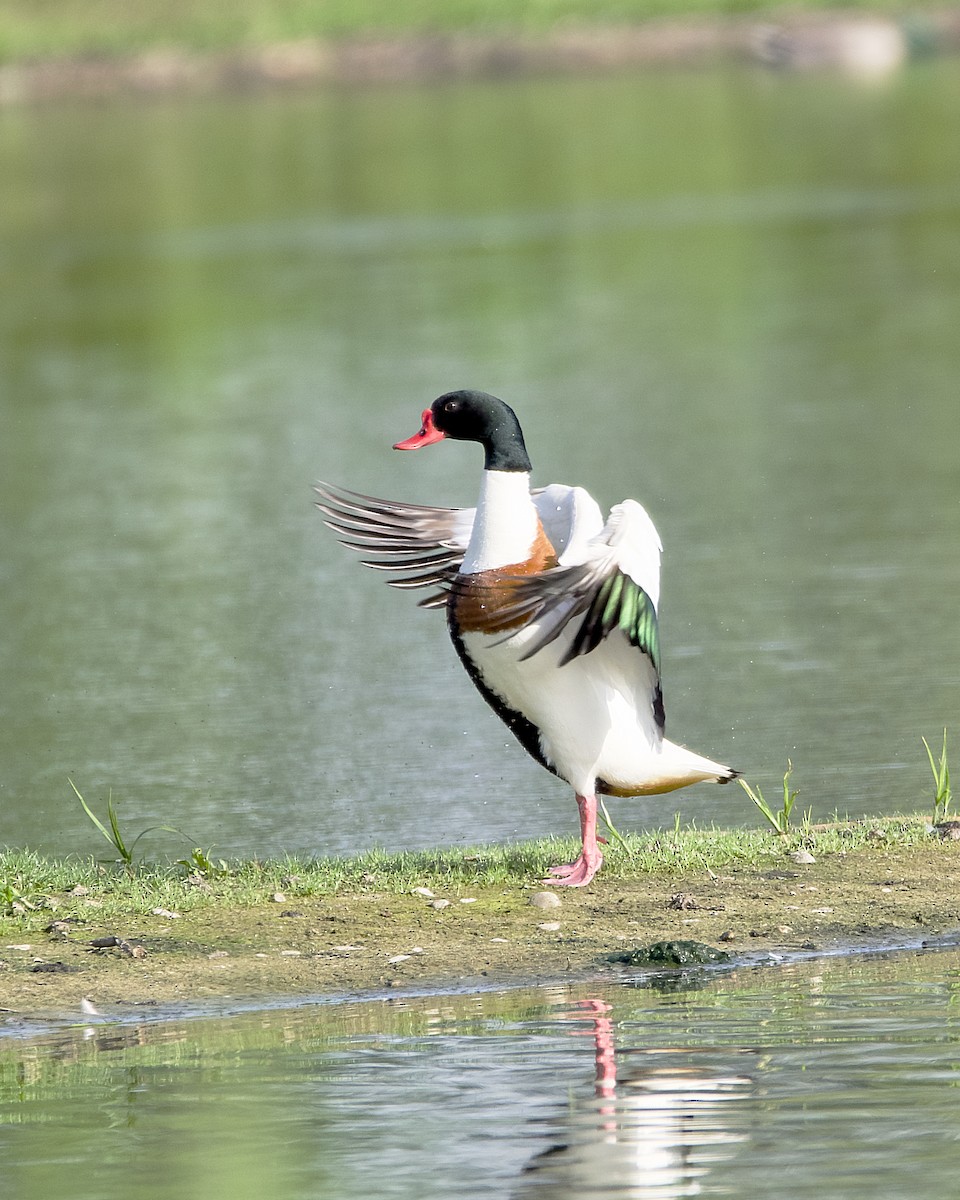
580, 872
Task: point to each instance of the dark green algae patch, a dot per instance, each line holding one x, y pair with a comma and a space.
682, 952
157, 940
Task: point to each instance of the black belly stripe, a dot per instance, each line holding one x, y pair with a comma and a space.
526, 733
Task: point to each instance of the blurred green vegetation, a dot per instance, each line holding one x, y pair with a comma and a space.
41, 28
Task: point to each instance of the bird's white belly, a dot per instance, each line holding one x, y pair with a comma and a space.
595, 720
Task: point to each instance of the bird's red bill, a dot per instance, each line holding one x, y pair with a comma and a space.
428, 434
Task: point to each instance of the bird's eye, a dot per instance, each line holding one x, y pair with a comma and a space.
451, 406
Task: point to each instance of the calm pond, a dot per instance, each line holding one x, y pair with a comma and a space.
827, 1078
732, 295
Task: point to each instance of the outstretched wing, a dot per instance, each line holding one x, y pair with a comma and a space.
608, 578
430, 542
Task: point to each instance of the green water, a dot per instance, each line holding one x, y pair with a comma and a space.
733, 296
827, 1078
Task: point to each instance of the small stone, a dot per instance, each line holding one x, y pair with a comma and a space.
727, 936
290, 953
468, 899
802, 856
784, 929
165, 912
549, 926
440, 904
423, 891
20, 946
397, 958
417, 950
344, 949
504, 940
278, 898
545, 900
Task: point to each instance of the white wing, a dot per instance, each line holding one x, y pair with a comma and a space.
611, 581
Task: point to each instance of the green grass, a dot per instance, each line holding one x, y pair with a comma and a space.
45, 28
942, 792
34, 889
780, 820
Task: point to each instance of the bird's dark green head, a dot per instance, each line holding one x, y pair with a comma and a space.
470, 416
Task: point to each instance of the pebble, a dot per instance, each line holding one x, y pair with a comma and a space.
397, 958
278, 898
438, 904
165, 912
545, 900
803, 856
423, 891
549, 926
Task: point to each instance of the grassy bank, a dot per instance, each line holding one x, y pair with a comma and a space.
161, 932
109, 27
97, 48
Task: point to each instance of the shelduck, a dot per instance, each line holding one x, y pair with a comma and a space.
552, 611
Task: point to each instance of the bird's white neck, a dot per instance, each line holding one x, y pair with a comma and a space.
505, 527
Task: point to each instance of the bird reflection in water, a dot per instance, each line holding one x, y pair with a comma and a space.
655, 1127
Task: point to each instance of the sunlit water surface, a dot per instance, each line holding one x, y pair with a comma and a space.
732, 295
826, 1078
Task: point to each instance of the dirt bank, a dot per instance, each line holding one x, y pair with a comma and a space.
369, 940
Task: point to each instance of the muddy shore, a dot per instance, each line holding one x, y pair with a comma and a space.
860, 43
367, 941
